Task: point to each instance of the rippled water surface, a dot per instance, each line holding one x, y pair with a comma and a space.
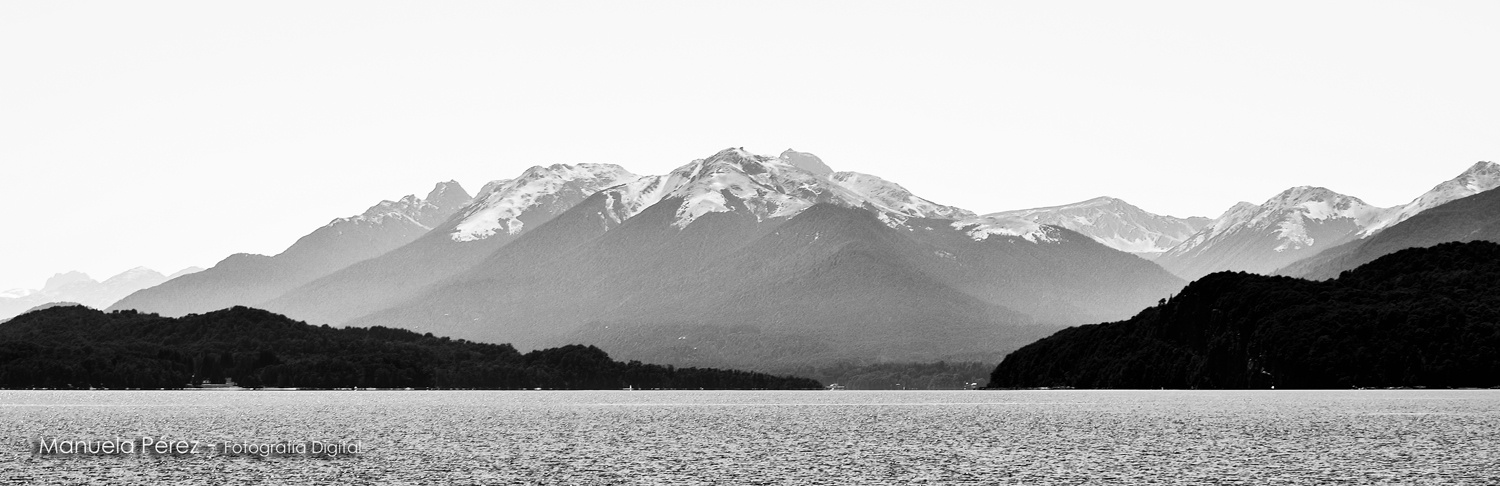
848, 437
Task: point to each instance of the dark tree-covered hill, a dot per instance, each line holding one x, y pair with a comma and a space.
1418, 317
78, 347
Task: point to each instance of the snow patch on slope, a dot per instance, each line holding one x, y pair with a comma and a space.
1291, 211
410, 209
1481, 177
1287, 215
500, 206
1115, 223
982, 227
769, 187
891, 195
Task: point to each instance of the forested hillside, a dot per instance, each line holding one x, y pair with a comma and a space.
77, 347
1418, 317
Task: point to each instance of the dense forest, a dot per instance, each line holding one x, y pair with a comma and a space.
1418, 317
76, 347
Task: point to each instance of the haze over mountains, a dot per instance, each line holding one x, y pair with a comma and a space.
503, 210
741, 259
246, 279
1117, 224
751, 261
79, 288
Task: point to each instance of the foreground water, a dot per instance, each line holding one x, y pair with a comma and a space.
973, 437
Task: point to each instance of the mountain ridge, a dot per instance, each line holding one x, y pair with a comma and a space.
248, 279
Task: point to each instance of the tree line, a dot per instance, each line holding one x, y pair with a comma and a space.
77, 347
1419, 317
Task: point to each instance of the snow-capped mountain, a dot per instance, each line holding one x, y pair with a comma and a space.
1294, 224
1115, 223
891, 195
768, 188
502, 203
245, 279
410, 210
78, 287
1455, 221
503, 210
760, 261
1481, 177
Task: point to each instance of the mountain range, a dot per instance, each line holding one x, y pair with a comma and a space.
1306, 223
1470, 218
746, 260
79, 288
504, 210
739, 259
1117, 224
249, 279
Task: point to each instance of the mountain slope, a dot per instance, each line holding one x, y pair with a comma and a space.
1116, 224
246, 279
1418, 317
505, 210
1471, 218
77, 287
1480, 177
756, 262
1295, 224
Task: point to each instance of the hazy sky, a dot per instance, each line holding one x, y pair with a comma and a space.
174, 134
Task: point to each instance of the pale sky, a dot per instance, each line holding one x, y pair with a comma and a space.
169, 134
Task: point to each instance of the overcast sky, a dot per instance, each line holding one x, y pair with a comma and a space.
174, 134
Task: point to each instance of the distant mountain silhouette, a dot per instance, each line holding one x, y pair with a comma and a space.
505, 210
79, 288
246, 279
1117, 224
1416, 317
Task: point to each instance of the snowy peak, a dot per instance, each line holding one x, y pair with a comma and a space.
443, 200
1115, 223
490, 187
502, 203
1480, 177
807, 162
1296, 219
1237, 215
1320, 203
1291, 211
891, 195
768, 187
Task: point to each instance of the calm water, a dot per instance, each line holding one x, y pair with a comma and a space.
1023, 437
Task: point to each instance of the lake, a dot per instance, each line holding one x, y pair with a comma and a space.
752, 437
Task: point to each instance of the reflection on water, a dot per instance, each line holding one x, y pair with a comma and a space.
617, 437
